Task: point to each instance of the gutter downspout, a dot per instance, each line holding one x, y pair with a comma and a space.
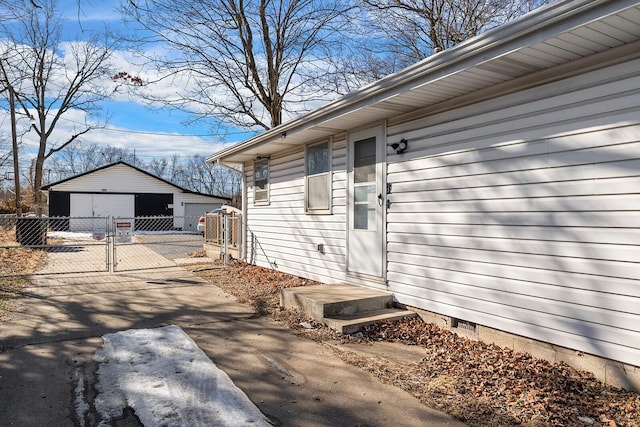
243, 200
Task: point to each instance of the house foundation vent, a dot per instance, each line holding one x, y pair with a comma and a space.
463, 324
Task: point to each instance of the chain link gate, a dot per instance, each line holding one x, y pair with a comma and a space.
223, 232
141, 243
71, 244
99, 244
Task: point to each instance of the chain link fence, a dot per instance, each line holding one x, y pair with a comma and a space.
95, 244
83, 250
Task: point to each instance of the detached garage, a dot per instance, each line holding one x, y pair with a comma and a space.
122, 190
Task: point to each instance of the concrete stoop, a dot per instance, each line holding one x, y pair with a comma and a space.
345, 308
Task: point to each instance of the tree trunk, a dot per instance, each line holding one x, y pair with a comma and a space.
14, 147
38, 196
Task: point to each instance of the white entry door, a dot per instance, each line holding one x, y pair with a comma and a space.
366, 204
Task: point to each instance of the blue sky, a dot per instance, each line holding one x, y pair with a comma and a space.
131, 114
151, 132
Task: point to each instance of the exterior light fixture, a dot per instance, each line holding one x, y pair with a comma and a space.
399, 147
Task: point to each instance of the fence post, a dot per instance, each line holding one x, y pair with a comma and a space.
225, 235
112, 226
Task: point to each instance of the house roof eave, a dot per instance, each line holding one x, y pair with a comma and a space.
377, 100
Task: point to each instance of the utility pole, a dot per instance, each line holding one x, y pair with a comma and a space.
14, 142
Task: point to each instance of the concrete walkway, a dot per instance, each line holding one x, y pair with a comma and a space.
47, 349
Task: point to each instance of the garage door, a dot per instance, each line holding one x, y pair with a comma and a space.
98, 205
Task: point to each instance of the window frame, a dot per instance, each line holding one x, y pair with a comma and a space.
328, 176
267, 180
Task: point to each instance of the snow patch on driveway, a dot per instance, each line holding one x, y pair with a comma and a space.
163, 375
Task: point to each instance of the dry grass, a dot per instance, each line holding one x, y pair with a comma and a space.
15, 260
258, 286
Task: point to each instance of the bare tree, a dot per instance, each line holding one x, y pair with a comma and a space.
411, 30
249, 61
228, 184
82, 157
359, 65
110, 154
51, 78
75, 159
158, 167
5, 153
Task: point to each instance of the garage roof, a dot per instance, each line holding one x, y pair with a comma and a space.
183, 190
533, 47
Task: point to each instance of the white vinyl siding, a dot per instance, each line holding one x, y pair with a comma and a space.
283, 235
523, 213
115, 179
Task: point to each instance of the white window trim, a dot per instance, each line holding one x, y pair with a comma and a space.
328, 173
268, 186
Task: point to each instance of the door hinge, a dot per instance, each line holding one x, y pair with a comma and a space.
388, 188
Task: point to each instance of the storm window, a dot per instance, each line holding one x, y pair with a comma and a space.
318, 179
261, 181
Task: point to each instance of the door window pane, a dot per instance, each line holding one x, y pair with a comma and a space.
365, 194
364, 207
364, 184
364, 160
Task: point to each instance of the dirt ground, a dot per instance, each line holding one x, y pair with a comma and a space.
480, 384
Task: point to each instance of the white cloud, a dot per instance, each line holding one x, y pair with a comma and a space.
149, 145
146, 144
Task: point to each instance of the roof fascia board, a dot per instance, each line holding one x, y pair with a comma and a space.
536, 26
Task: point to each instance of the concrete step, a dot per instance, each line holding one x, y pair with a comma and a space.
350, 324
345, 308
322, 301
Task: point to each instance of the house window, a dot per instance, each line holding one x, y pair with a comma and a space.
261, 181
318, 179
